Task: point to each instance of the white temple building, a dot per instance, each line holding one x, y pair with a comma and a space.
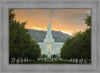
49, 47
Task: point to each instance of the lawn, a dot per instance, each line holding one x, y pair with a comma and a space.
47, 62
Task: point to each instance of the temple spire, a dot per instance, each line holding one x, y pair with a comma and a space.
49, 37
49, 18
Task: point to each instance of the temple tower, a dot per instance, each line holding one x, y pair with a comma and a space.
49, 37
49, 41
49, 47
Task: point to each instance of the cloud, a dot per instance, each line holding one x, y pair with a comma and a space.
66, 20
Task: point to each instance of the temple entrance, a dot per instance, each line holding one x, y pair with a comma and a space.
48, 52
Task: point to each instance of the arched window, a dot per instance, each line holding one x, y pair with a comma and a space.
49, 46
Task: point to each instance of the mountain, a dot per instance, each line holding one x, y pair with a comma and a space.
39, 35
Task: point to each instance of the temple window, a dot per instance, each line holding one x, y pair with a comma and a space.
49, 46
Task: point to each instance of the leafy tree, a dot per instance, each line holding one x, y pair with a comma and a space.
20, 40
43, 56
79, 46
54, 56
88, 20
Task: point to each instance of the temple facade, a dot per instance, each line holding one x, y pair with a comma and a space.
49, 47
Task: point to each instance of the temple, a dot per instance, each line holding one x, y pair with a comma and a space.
49, 47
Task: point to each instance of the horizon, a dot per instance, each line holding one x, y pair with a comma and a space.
68, 21
53, 30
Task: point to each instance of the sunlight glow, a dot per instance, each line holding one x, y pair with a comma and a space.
37, 28
66, 32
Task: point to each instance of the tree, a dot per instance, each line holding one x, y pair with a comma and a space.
20, 40
54, 56
79, 46
43, 56
13, 51
88, 20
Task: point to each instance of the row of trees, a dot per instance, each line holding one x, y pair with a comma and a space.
21, 45
53, 57
79, 46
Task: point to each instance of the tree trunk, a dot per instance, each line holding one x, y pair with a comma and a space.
87, 61
23, 59
16, 60
72, 60
78, 60
83, 61
20, 60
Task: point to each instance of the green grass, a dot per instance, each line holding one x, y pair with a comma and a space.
48, 62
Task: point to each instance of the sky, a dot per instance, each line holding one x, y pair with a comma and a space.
67, 21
